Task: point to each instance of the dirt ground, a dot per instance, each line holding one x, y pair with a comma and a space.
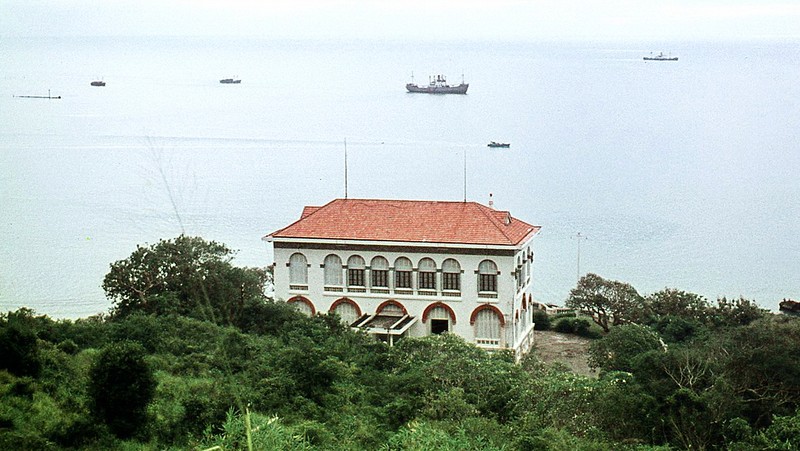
571, 350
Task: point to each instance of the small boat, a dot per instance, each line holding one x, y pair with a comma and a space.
660, 57
230, 81
98, 83
497, 144
437, 84
789, 306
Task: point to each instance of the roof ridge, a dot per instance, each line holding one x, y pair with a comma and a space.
494, 220
302, 218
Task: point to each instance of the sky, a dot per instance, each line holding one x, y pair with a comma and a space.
406, 19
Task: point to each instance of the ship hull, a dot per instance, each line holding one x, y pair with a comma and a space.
460, 89
674, 58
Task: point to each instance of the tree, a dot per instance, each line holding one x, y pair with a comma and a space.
672, 302
121, 386
19, 349
187, 276
736, 312
606, 300
617, 350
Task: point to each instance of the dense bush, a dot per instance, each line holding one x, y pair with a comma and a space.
19, 349
577, 326
541, 320
121, 386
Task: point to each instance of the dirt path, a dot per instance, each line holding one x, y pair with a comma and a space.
571, 350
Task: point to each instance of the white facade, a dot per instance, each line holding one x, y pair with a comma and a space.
455, 292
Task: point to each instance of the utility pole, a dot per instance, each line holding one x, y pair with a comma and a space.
580, 237
345, 168
465, 175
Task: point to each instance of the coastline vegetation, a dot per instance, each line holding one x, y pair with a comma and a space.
193, 355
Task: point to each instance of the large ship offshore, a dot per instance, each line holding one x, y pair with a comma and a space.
437, 84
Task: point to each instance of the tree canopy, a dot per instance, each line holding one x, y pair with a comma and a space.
185, 276
606, 301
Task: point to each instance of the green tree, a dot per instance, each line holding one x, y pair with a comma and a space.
187, 276
672, 302
606, 301
120, 388
617, 350
736, 312
19, 348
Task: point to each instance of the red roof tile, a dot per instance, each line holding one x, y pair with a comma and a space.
408, 221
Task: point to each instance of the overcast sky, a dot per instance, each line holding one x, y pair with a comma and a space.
406, 19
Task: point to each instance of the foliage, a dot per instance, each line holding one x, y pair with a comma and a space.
577, 326
425, 436
541, 320
121, 387
736, 312
185, 276
608, 302
19, 350
617, 350
227, 369
254, 431
676, 303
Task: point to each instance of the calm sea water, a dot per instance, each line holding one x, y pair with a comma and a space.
679, 175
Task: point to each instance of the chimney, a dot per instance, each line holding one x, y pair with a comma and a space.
491, 201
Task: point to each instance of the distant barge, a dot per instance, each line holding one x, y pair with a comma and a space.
496, 144
661, 57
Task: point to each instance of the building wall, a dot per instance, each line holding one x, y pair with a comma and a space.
509, 300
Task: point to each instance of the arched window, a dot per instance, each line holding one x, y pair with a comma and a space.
391, 308
379, 267
333, 270
303, 305
355, 271
427, 274
402, 273
487, 277
487, 326
451, 275
298, 269
347, 310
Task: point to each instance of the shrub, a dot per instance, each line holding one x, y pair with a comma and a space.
121, 387
541, 320
19, 349
565, 325
577, 326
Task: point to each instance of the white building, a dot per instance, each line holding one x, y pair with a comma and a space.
412, 268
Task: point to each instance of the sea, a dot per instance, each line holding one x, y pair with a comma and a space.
659, 174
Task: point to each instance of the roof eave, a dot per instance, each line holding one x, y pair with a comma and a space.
347, 241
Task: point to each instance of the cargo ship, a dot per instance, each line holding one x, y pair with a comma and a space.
437, 84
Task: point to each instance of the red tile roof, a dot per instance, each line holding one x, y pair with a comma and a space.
408, 221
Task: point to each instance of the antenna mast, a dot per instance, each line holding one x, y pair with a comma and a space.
345, 168
579, 237
465, 175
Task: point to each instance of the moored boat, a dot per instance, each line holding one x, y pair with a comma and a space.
230, 81
437, 84
660, 57
98, 83
497, 144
